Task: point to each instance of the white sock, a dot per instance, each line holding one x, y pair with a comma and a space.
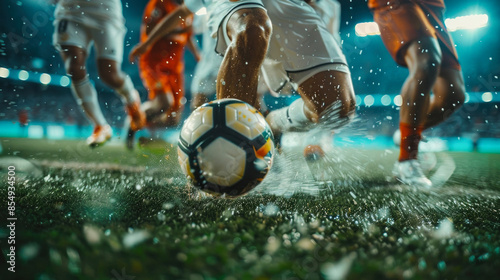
290, 117
296, 113
86, 96
127, 91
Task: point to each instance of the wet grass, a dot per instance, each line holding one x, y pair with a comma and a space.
113, 214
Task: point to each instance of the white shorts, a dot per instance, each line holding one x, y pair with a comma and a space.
205, 73
108, 41
300, 47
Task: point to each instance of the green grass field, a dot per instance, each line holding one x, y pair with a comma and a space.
109, 213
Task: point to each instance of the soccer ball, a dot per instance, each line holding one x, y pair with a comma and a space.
225, 147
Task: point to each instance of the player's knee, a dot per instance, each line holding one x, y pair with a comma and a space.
111, 78
427, 66
254, 32
110, 73
76, 70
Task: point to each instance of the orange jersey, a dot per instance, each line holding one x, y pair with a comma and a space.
404, 21
167, 53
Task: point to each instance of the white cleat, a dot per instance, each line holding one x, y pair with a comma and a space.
410, 173
100, 136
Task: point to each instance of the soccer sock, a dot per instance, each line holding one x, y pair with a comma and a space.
86, 96
410, 138
127, 91
292, 116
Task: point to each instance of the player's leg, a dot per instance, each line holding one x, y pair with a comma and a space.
423, 58
449, 96
323, 90
314, 64
249, 32
109, 52
326, 97
173, 100
72, 40
111, 75
85, 93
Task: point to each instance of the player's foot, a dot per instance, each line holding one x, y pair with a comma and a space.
131, 139
100, 136
313, 153
409, 172
428, 161
137, 116
396, 138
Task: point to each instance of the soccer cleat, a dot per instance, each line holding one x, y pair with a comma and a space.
130, 139
100, 136
313, 153
137, 116
410, 173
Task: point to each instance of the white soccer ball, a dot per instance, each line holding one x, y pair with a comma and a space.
226, 147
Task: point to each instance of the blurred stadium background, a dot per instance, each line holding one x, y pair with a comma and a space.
36, 100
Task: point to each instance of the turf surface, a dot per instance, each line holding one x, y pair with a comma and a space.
109, 213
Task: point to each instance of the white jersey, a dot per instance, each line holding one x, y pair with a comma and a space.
329, 11
91, 13
301, 45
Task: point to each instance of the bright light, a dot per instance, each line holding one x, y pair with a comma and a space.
466, 22
23, 75
487, 97
369, 100
367, 29
398, 100
4, 72
55, 132
386, 100
45, 79
64, 81
452, 24
201, 12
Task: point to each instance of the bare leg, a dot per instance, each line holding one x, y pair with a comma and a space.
112, 76
74, 61
324, 89
449, 95
423, 58
110, 73
249, 31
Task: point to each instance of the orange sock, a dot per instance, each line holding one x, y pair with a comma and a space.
410, 138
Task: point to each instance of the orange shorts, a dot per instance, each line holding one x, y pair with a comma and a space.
163, 81
404, 21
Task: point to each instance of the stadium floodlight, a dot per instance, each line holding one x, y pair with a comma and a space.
487, 97
452, 24
23, 75
4, 72
201, 12
369, 100
65, 81
45, 79
386, 100
367, 29
398, 100
466, 22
